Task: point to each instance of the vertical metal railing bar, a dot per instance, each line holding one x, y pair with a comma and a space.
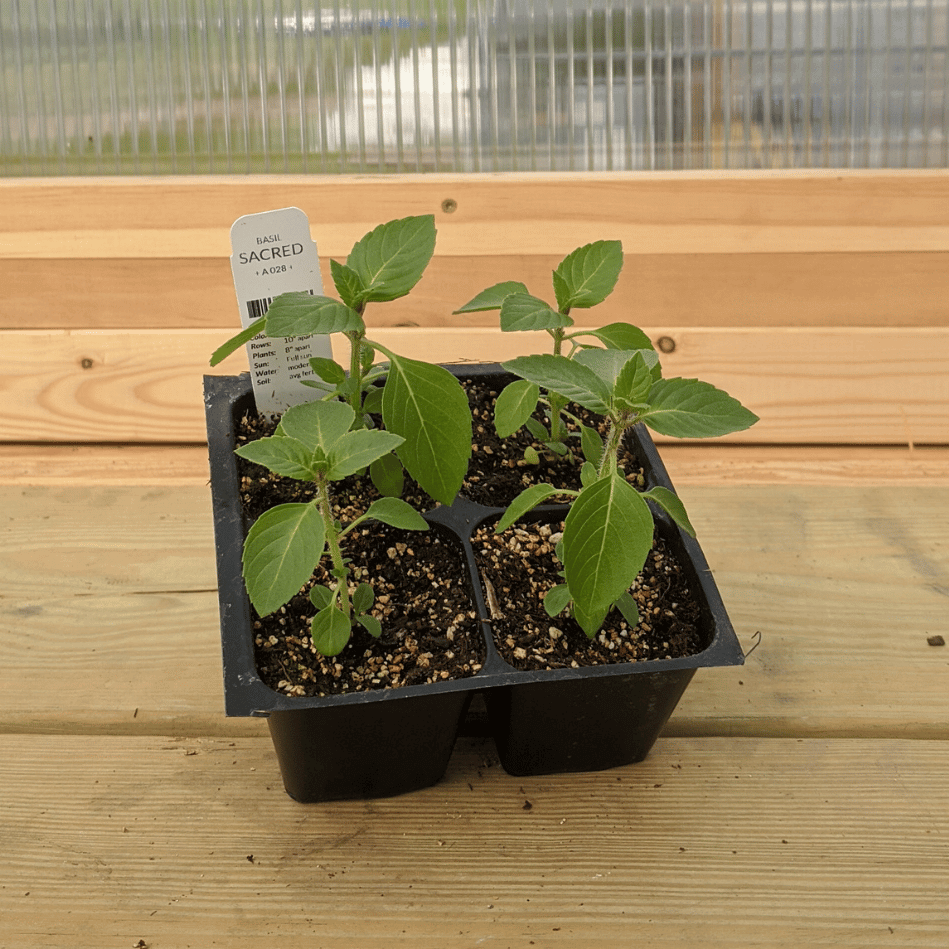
224, 33
299, 62
808, 83
727, 94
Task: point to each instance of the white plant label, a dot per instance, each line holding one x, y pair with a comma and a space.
273, 253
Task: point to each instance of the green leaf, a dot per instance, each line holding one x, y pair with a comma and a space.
619, 336
330, 630
606, 363
317, 424
528, 498
390, 260
671, 504
629, 609
235, 342
591, 444
282, 455
606, 537
281, 551
363, 598
348, 284
531, 456
370, 624
372, 403
493, 297
521, 311
538, 430
634, 381
558, 448
514, 406
321, 597
356, 450
328, 369
687, 408
300, 314
396, 513
566, 377
387, 475
590, 620
426, 405
557, 599
588, 275
588, 473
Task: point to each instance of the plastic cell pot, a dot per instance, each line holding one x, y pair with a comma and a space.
381, 743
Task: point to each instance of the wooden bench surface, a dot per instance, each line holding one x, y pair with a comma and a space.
800, 800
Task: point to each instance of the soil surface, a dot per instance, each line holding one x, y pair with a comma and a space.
520, 567
423, 601
498, 473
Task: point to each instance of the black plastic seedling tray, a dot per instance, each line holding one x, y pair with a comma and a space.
379, 743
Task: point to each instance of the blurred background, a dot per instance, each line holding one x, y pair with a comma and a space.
254, 86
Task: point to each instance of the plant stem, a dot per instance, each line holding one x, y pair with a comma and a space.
332, 541
557, 403
614, 438
355, 375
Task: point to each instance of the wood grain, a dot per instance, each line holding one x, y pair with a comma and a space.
708, 464
109, 601
718, 842
759, 212
802, 289
870, 386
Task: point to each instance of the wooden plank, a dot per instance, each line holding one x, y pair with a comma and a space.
709, 464
109, 607
118, 842
711, 289
870, 386
680, 213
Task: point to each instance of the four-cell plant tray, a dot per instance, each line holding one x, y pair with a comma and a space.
390, 741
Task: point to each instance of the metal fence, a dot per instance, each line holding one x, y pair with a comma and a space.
186, 86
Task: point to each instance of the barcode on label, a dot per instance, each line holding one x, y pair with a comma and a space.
258, 308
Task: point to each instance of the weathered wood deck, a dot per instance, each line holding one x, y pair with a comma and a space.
802, 800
